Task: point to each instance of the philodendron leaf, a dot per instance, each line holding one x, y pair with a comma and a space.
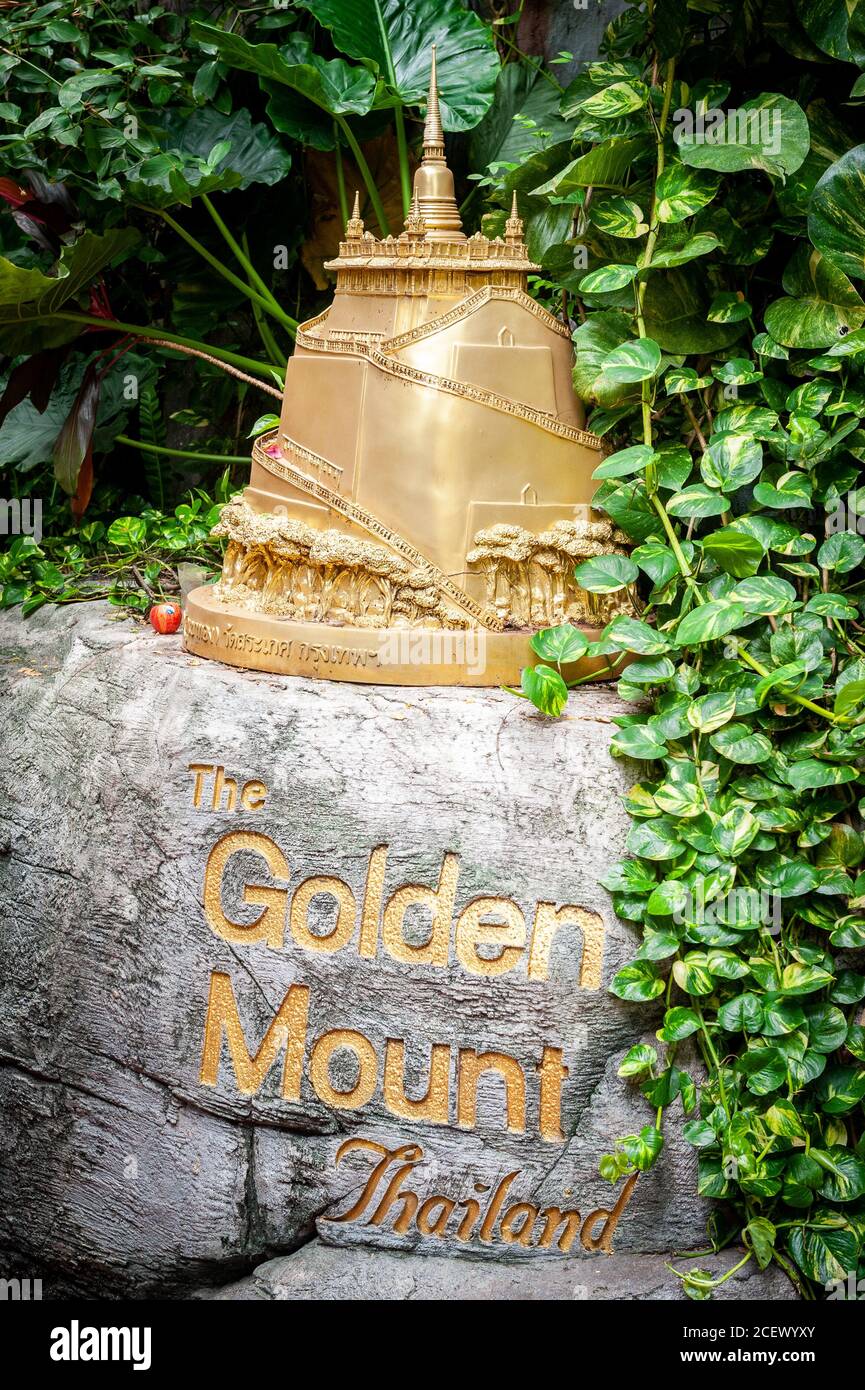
731, 461
697, 500
608, 165
764, 594
845, 1174
560, 644
811, 773
678, 379
625, 462
729, 307
638, 741
764, 1069
683, 250
681, 192
740, 744
638, 1062
633, 635
608, 277
397, 36
675, 310
594, 341
710, 620
606, 574
545, 688
642, 1149
761, 1235
734, 551
826, 1249
633, 361
638, 982
822, 306
835, 26
616, 99
618, 216
769, 132
836, 215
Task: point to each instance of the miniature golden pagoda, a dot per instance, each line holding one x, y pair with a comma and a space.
422, 506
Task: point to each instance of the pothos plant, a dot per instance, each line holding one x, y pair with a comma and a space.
714, 255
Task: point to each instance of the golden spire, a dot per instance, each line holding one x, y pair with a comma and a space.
433, 180
414, 223
514, 225
433, 133
354, 225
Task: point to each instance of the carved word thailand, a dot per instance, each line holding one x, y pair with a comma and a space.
488, 1214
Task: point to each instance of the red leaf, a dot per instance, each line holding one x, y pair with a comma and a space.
12, 193
75, 440
99, 307
79, 503
35, 378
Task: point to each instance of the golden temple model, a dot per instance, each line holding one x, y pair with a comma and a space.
430, 480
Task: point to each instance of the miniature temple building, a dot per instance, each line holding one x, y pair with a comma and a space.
431, 469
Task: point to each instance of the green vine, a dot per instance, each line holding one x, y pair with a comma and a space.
746, 666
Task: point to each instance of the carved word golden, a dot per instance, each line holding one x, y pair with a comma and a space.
490, 934
481, 1218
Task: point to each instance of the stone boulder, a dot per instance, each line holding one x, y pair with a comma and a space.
294, 964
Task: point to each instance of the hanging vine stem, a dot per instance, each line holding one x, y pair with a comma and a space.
215, 362
340, 177
646, 402
366, 174
269, 305
255, 279
219, 356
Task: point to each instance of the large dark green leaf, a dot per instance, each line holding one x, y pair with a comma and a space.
835, 26
524, 115
255, 154
770, 132
28, 297
675, 309
608, 165
836, 220
823, 305
398, 35
311, 90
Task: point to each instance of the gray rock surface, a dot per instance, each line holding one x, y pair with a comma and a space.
121, 1168
318, 1271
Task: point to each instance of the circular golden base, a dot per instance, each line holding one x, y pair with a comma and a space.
375, 656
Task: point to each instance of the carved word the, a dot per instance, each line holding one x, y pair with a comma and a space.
252, 794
